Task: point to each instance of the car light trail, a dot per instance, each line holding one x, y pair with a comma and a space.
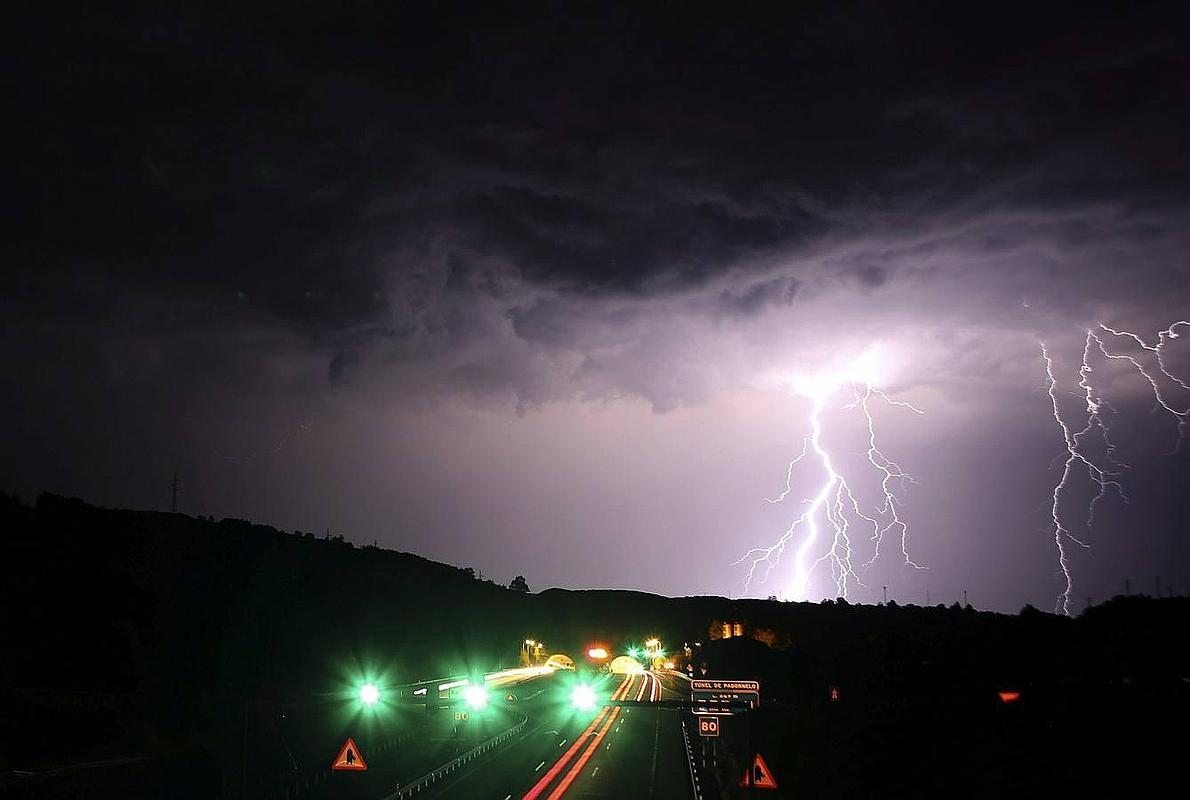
561, 763
586, 756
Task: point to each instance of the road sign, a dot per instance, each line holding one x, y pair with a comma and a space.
462, 716
708, 726
724, 697
761, 775
349, 758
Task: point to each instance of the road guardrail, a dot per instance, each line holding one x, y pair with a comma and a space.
431, 778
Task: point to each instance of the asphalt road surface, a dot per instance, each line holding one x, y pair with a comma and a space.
609, 751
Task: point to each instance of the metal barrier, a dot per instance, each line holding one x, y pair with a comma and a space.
449, 767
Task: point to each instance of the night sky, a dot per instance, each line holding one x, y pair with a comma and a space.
530, 292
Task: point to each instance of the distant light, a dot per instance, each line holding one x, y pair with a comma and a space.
597, 653
530, 642
1009, 697
653, 644
476, 697
583, 698
420, 691
669, 665
633, 652
369, 695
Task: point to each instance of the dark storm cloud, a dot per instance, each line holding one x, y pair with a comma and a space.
456, 193
758, 296
249, 157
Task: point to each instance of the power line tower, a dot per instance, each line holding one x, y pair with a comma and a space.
173, 505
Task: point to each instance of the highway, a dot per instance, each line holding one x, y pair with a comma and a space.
555, 750
609, 751
408, 739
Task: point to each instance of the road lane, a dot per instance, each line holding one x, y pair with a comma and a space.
553, 739
614, 752
644, 755
402, 742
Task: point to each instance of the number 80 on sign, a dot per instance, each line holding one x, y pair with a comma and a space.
708, 726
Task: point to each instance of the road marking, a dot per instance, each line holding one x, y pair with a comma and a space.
564, 741
696, 786
507, 797
539, 766
595, 771
585, 757
561, 763
653, 769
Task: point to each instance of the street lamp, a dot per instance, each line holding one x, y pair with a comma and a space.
369, 694
476, 697
583, 698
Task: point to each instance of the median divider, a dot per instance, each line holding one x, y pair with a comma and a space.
431, 778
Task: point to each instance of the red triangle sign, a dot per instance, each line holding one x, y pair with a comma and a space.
762, 776
350, 758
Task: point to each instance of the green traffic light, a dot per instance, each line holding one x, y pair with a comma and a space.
369, 694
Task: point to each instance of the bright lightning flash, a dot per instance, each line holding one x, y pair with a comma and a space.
1080, 457
834, 505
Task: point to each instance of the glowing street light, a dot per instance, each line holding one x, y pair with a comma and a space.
369, 694
597, 653
583, 698
653, 644
476, 697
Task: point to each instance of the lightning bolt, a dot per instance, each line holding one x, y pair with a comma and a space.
1074, 457
1158, 350
1096, 429
834, 505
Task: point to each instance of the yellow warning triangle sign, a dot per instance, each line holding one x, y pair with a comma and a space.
761, 775
349, 758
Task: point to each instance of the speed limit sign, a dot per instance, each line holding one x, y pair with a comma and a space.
708, 726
